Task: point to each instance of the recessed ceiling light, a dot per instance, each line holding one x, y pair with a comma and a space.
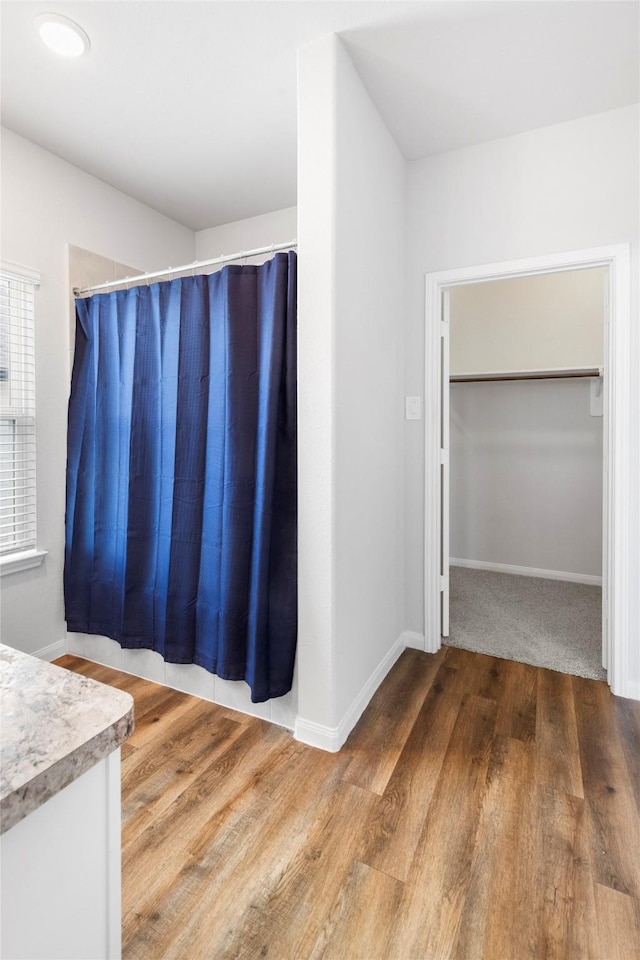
61, 34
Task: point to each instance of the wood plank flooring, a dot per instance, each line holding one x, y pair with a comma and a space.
480, 809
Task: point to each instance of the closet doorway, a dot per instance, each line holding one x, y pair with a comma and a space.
526, 364
493, 525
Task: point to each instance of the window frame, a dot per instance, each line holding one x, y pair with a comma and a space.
17, 556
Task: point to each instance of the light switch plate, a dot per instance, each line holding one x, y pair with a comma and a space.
413, 408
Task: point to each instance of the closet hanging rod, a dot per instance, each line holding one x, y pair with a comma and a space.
556, 374
196, 265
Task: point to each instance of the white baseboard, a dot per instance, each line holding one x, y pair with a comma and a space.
332, 739
317, 735
633, 691
418, 641
52, 652
630, 690
527, 571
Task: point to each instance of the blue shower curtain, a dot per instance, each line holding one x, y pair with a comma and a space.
181, 521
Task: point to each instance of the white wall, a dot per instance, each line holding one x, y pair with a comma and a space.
370, 310
529, 323
526, 457
277, 227
561, 188
317, 655
526, 475
47, 204
351, 309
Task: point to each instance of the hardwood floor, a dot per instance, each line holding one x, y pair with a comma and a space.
480, 809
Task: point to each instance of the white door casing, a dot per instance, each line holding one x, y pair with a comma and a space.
445, 341
616, 492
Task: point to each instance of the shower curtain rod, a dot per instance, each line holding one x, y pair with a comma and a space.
197, 264
559, 373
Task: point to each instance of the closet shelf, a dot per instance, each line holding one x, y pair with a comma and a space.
553, 374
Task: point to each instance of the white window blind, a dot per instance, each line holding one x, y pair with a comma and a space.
17, 409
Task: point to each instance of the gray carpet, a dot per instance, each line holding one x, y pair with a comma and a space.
547, 623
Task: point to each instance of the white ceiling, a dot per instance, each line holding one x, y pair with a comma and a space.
190, 106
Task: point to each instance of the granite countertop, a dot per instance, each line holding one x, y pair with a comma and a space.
55, 725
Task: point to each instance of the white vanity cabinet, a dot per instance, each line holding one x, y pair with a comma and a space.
59, 812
